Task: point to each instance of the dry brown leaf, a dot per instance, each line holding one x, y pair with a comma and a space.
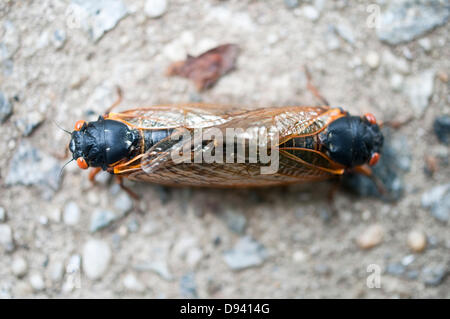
208, 67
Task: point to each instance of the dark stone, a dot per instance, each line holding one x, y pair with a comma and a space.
442, 128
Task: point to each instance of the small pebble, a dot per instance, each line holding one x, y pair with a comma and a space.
27, 124
417, 241
418, 89
370, 237
131, 283
100, 219
345, 32
408, 260
19, 267
5, 108
412, 274
442, 76
133, 225
43, 220
246, 253
193, 257
331, 39
425, 43
396, 81
309, 12
395, 63
37, 282
155, 8
235, 220
438, 199
188, 287
291, 4
2, 215
59, 38
299, 256
373, 59
434, 276
6, 237
30, 166
99, 16
96, 258
322, 269
123, 203
403, 21
395, 269
9, 42
71, 215
441, 127
158, 267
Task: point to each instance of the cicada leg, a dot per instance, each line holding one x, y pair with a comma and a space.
336, 185
367, 171
396, 124
126, 189
116, 102
94, 171
312, 88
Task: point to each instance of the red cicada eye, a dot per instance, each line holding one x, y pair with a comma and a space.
371, 118
374, 159
82, 163
79, 124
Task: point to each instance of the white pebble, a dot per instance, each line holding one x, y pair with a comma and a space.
71, 214
96, 258
123, 203
310, 13
131, 283
417, 241
396, 82
6, 237
373, 59
194, 256
425, 43
370, 237
43, 220
299, 256
19, 267
37, 282
155, 8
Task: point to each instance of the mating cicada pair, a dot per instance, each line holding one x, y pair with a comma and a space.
312, 143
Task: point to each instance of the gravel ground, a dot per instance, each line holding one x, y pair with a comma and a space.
63, 237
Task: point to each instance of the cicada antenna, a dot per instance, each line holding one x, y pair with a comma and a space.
313, 89
60, 172
59, 126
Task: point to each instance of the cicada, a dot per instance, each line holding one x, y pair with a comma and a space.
159, 144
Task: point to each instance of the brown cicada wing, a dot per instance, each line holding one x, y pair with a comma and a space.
158, 164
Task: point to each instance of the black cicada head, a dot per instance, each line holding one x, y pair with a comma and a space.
101, 143
353, 141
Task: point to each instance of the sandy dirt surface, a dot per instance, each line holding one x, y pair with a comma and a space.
61, 61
